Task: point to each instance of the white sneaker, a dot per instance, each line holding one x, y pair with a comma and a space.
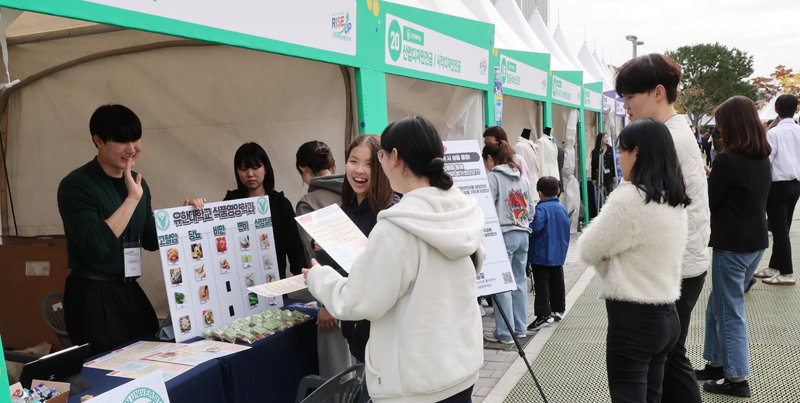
766, 272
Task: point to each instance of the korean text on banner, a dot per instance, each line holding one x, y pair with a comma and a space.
419, 48
462, 160
209, 258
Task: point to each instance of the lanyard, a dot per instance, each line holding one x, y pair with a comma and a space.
135, 216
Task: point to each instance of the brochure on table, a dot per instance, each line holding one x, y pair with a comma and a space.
209, 258
171, 359
462, 160
149, 388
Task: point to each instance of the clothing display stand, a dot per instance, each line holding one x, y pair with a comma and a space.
498, 308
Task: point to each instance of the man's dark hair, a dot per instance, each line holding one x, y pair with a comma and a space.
548, 185
786, 105
645, 73
115, 123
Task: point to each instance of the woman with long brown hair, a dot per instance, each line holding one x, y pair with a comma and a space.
365, 193
737, 189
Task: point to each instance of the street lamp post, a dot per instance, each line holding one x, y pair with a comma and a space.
634, 41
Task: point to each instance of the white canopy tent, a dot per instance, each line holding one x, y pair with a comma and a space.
456, 112
604, 67
538, 26
505, 36
518, 113
198, 103
590, 65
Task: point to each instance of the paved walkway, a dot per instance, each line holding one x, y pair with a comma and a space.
497, 362
568, 358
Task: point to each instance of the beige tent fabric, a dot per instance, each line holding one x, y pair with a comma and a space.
456, 112
34, 24
197, 105
521, 113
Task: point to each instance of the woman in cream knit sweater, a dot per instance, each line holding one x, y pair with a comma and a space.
635, 244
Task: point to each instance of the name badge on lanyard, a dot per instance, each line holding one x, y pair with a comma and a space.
132, 255
131, 251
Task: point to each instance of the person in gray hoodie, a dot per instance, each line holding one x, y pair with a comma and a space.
514, 204
315, 164
416, 280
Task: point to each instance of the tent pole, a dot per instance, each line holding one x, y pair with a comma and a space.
5, 189
372, 106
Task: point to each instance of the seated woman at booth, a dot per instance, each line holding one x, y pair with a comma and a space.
255, 177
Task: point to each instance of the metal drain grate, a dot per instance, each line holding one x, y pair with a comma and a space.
571, 366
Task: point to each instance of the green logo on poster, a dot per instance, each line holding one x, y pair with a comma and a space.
162, 220
143, 395
263, 205
395, 41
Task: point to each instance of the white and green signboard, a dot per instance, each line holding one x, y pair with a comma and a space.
592, 100
321, 29
415, 47
326, 25
519, 76
566, 92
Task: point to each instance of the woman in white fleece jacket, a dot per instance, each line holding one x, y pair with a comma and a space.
635, 244
415, 281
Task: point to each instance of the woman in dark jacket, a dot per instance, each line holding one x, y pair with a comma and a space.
364, 194
737, 188
601, 148
254, 177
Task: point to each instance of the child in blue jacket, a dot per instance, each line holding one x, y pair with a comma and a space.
546, 253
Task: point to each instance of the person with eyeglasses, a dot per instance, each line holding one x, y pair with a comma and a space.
416, 280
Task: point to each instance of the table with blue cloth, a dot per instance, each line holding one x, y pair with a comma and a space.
267, 372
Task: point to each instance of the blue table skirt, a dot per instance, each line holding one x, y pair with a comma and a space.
268, 372
272, 369
202, 383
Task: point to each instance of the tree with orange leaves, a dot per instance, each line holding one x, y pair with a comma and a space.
782, 81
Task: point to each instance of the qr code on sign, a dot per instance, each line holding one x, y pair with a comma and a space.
507, 278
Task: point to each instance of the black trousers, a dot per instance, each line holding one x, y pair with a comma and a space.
639, 338
106, 314
548, 283
465, 396
680, 383
781, 200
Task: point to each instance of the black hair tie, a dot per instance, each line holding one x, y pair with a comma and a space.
435, 166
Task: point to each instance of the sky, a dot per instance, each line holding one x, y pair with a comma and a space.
767, 30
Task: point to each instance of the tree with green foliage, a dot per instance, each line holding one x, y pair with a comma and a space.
712, 73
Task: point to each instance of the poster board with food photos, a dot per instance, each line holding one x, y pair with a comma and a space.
209, 258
